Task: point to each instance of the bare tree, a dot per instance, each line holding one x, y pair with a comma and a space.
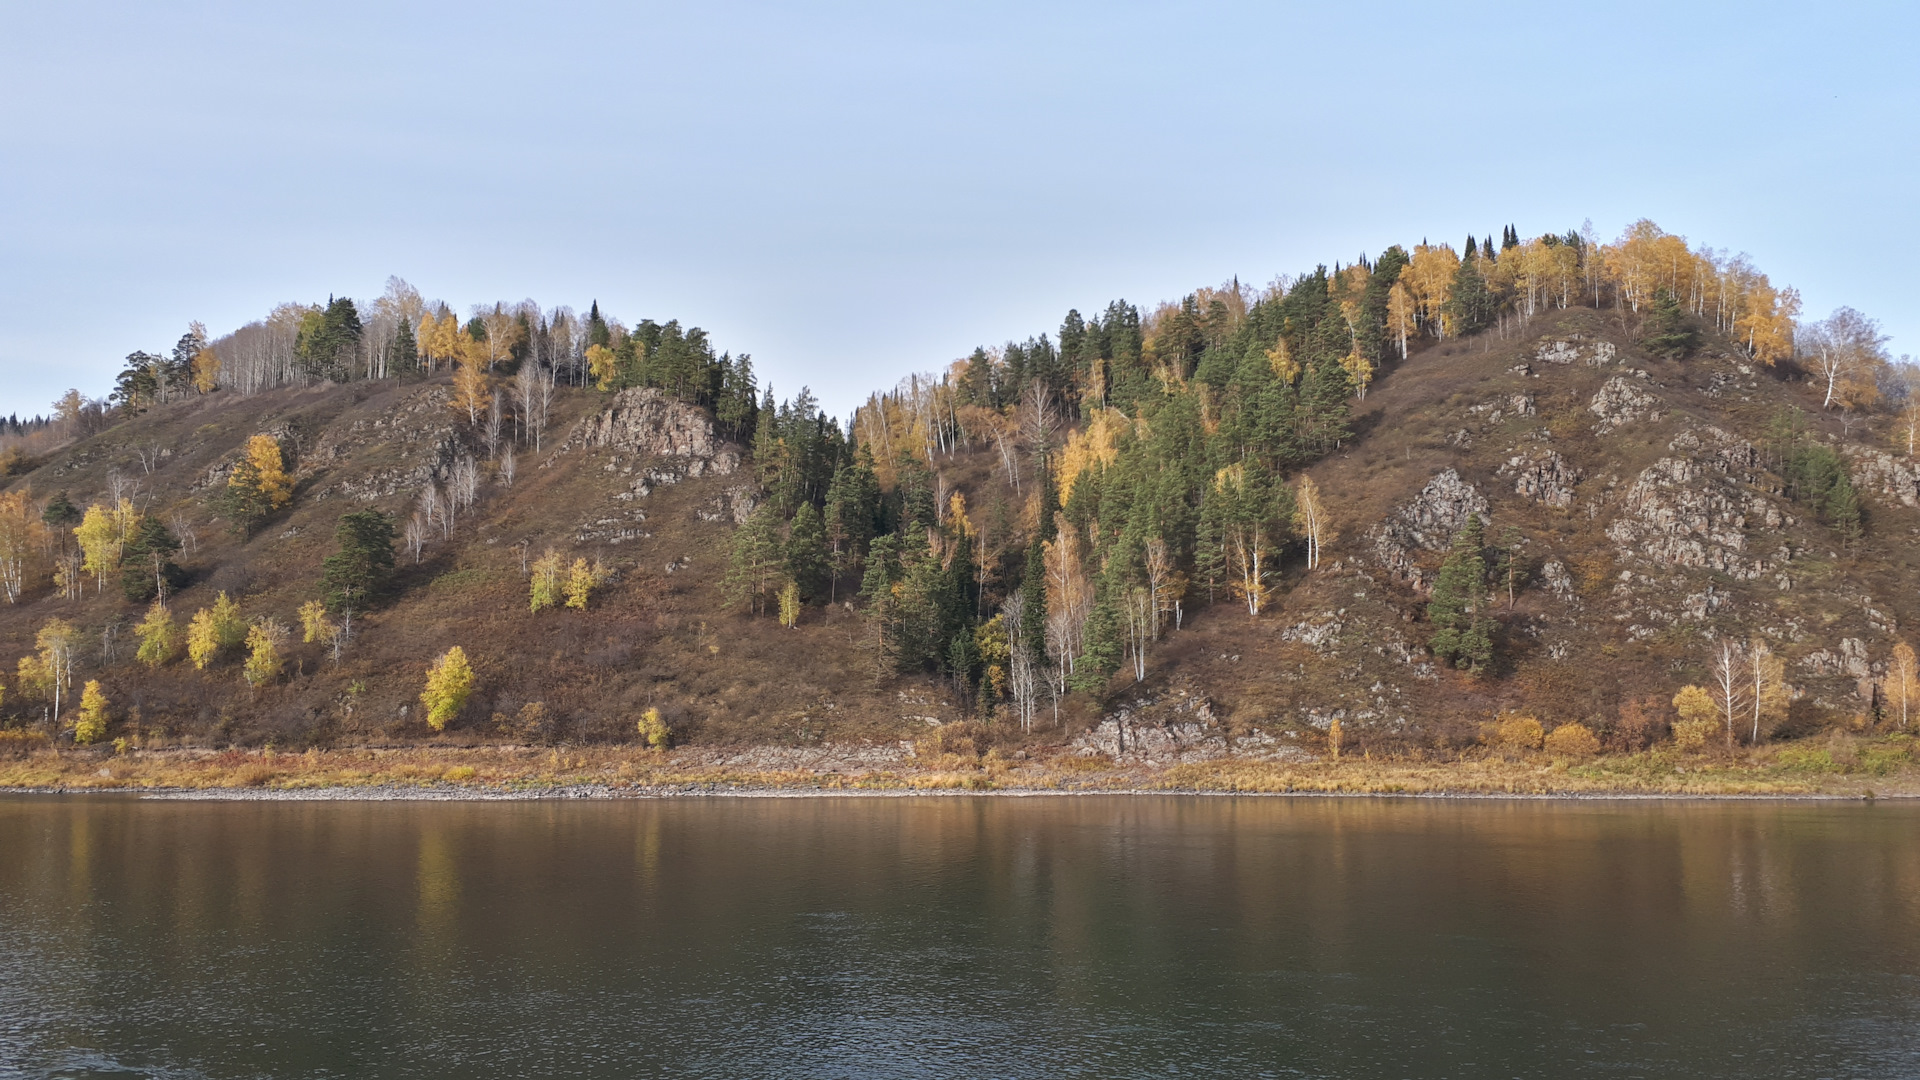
506, 467
493, 426
1021, 674
416, 536
1728, 668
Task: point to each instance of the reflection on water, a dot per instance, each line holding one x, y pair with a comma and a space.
1040, 937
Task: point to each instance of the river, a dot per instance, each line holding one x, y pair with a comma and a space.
958, 937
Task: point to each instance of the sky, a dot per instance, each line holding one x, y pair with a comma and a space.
851, 191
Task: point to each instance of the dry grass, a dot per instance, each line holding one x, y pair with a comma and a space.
1858, 768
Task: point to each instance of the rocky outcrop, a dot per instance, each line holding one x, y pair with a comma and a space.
1425, 524
1619, 403
647, 423
1678, 513
1882, 476
1545, 477
1150, 732
1577, 350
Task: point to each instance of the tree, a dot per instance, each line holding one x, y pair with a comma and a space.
23, 542
1903, 683
213, 630
1402, 315
602, 367
581, 579
315, 626
360, 571
653, 730
403, 353
1251, 507
159, 636
102, 538
90, 725
1770, 695
449, 683
1848, 350
1457, 607
206, 371
1668, 331
53, 666
755, 562
264, 642
1310, 518
543, 581
147, 570
1727, 667
258, 487
806, 553
1699, 714
471, 391
790, 605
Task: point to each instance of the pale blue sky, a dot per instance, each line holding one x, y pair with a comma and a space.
851, 191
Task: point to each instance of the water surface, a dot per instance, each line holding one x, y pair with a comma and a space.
958, 937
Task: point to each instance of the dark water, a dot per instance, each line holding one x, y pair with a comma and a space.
958, 937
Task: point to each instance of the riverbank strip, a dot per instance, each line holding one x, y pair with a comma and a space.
501, 773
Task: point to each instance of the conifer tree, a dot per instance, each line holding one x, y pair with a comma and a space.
806, 553
147, 569
1457, 608
360, 571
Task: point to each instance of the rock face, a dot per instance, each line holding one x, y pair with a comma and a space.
645, 422
1575, 350
1425, 524
1619, 403
1546, 478
1184, 731
653, 440
1696, 511
1879, 474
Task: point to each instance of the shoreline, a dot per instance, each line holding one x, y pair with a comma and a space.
1866, 771
605, 793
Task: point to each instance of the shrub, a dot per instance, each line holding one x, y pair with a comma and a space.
459, 773
1513, 733
1642, 723
1807, 759
1572, 740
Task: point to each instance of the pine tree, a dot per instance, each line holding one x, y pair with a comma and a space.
147, 569
1669, 332
755, 561
360, 571
1457, 607
806, 553
403, 354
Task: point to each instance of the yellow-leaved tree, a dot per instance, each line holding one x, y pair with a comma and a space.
50, 671
314, 624
1903, 683
581, 579
206, 370
449, 682
470, 378
90, 724
543, 581
602, 366
102, 535
23, 541
653, 730
264, 641
159, 636
1699, 715
214, 629
1402, 315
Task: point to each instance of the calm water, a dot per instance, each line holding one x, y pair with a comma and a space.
958, 937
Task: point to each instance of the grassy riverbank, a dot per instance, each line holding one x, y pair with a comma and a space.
1847, 767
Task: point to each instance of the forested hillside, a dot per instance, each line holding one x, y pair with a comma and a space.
1597, 495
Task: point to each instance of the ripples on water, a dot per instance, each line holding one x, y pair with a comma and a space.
958, 937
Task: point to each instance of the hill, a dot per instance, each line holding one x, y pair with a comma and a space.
1425, 508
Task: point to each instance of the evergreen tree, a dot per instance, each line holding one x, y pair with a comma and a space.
806, 554
147, 570
1669, 332
1471, 305
1457, 608
756, 560
403, 353
60, 514
598, 332
359, 573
